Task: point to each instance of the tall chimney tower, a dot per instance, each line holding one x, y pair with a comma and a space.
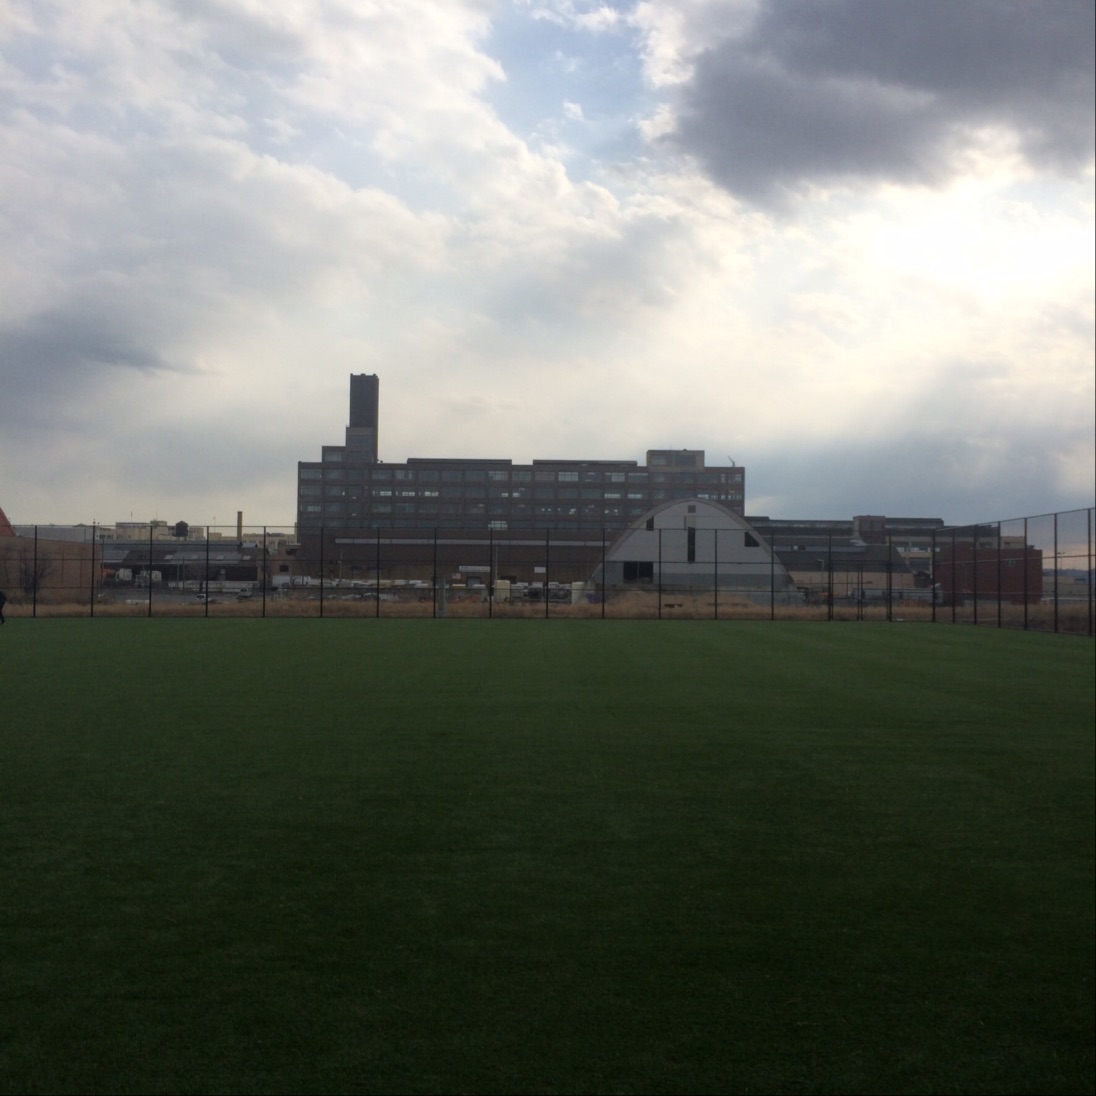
361, 434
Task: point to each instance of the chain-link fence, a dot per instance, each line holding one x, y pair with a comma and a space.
1033, 572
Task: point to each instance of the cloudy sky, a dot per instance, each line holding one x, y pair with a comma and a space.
847, 243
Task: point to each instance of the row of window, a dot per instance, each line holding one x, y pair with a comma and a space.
311, 491
379, 474
588, 512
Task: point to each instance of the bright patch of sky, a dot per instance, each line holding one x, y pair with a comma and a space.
573, 88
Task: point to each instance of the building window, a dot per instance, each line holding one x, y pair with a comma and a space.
567, 477
498, 477
639, 571
404, 474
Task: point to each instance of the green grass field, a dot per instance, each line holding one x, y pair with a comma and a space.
489, 856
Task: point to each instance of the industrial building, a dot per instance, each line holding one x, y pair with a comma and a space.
350, 488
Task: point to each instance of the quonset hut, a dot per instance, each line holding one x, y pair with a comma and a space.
693, 544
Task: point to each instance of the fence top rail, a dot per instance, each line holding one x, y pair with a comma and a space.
1022, 517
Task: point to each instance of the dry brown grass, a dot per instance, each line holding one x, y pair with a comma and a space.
632, 605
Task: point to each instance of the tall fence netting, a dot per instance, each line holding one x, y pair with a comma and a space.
1033, 572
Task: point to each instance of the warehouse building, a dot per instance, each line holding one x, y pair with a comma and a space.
349, 488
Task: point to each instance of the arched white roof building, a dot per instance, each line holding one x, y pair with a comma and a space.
698, 544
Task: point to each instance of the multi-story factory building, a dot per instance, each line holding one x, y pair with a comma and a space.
350, 488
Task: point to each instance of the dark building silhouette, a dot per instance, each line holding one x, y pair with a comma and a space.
350, 488
361, 433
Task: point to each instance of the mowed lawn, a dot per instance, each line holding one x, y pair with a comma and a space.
549, 856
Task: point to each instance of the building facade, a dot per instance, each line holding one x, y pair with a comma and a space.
350, 488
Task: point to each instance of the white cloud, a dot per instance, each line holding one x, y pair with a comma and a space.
215, 211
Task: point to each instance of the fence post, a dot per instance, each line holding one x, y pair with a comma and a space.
715, 574
1056, 571
890, 577
932, 572
264, 578
829, 576
34, 574
490, 572
377, 601
1026, 590
434, 583
604, 590
772, 579
547, 553
999, 579
93, 538
150, 569
321, 570
974, 570
1088, 565
954, 585
660, 573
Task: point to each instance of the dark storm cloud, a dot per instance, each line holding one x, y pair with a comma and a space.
57, 350
828, 90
